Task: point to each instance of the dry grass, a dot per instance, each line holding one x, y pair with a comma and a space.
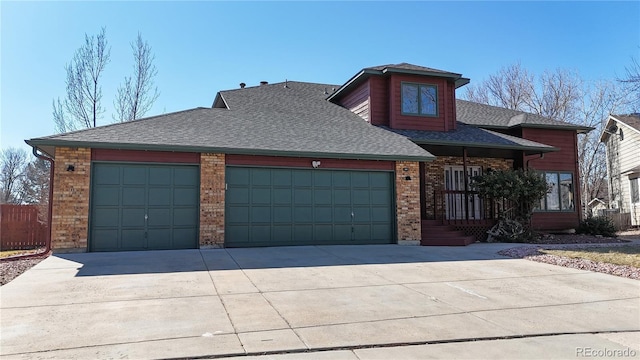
619, 255
8, 253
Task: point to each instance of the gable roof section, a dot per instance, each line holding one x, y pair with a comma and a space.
631, 121
471, 136
263, 120
402, 68
494, 117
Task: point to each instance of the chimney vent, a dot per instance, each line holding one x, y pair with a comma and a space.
263, 83
242, 85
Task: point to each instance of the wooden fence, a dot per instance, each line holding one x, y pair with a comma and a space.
621, 221
20, 228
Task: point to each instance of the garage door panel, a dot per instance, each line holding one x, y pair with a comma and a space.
107, 238
160, 176
303, 196
261, 177
183, 238
159, 239
186, 176
133, 239
134, 175
323, 233
261, 214
380, 214
107, 196
304, 206
282, 196
303, 233
238, 214
160, 217
134, 196
282, 214
140, 206
185, 217
281, 232
237, 233
323, 214
302, 178
160, 196
322, 179
342, 197
281, 177
261, 195
303, 214
107, 217
107, 175
237, 195
185, 196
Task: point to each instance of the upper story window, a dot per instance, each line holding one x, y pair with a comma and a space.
419, 99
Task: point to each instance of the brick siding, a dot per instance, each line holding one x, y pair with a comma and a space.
70, 218
408, 201
212, 193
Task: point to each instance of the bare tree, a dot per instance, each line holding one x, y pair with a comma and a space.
34, 186
511, 87
631, 80
560, 95
12, 163
82, 103
136, 96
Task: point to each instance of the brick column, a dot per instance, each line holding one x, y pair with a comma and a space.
408, 202
212, 193
70, 217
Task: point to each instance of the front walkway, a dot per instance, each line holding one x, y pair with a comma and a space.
171, 304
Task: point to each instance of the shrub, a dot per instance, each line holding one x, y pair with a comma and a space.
597, 226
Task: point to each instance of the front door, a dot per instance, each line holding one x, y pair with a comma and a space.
456, 203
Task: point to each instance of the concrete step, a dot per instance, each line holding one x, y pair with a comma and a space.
453, 241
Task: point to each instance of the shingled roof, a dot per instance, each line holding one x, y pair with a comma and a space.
500, 118
472, 136
295, 120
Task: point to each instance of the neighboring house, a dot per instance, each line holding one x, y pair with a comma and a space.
379, 159
621, 136
597, 207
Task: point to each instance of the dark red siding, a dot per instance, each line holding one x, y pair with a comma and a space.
565, 160
379, 100
446, 103
144, 156
358, 101
256, 160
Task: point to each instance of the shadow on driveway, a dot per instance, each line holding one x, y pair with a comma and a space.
170, 261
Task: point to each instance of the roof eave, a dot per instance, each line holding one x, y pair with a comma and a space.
578, 128
487, 146
237, 151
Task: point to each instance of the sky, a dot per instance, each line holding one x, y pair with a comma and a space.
206, 46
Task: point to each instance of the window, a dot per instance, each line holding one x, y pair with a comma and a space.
635, 190
561, 193
419, 99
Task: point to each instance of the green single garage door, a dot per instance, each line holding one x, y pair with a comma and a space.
276, 207
144, 207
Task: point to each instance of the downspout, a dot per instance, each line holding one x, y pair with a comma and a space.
527, 164
47, 249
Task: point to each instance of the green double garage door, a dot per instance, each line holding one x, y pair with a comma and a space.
144, 207
275, 207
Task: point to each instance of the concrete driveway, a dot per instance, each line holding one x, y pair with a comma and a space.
464, 301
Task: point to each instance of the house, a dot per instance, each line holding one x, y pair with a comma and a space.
621, 136
597, 207
384, 158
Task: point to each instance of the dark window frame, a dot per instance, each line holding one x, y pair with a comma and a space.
419, 86
544, 203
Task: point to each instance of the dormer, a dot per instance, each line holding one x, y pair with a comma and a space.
403, 96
